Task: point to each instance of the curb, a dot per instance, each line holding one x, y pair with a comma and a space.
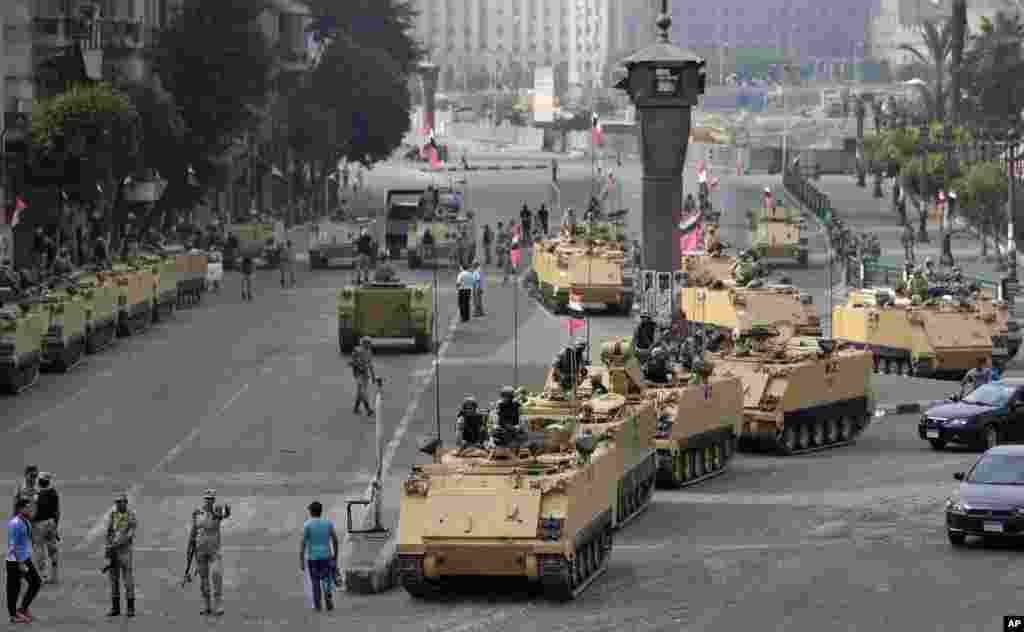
907, 408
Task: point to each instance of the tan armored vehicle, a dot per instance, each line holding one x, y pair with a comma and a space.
780, 233
800, 394
22, 329
698, 415
545, 511
936, 339
64, 342
996, 314
713, 301
594, 265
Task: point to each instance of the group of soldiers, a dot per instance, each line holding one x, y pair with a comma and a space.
924, 282
204, 545
472, 427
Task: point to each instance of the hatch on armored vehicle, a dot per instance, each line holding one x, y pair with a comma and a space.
454, 239
596, 264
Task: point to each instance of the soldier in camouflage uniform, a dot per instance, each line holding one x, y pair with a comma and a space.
121, 527
743, 270
206, 537
362, 371
919, 285
908, 241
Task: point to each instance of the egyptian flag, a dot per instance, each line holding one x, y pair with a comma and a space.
15, 215
573, 324
514, 254
434, 162
596, 136
575, 301
702, 173
690, 230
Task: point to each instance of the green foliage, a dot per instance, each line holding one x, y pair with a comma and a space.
80, 105
982, 191
993, 70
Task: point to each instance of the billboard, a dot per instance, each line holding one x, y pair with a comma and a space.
544, 94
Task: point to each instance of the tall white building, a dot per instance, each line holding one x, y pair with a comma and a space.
482, 43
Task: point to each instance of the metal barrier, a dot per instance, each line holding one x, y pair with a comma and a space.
797, 185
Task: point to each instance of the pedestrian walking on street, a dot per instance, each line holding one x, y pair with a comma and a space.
121, 527
487, 240
247, 269
45, 521
287, 264
364, 247
28, 488
542, 218
19, 563
363, 371
478, 290
500, 245
205, 536
526, 221
908, 239
464, 283
318, 555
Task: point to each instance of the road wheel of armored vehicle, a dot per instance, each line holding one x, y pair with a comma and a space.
816, 432
413, 580
424, 342
70, 356
347, 340
937, 444
828, 431
789, 442
23, 378
682, 468
99, 338
957, 539
563, 579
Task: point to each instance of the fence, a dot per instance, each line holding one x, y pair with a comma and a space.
797, 185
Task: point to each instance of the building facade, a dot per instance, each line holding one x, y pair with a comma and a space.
482, 44
898, 23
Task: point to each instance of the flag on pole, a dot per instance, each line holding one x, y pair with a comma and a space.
19, 206
595, 130
573, 324
714, 183
514, 253
434, 162
702, 174
575, 301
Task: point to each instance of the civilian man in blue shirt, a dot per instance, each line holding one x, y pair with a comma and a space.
315, 550
19, 563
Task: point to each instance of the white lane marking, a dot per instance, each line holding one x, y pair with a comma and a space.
400, 431
100, 525
34, 421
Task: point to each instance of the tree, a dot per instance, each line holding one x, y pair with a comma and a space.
933, 56
93, 130
994, 68
982, 193
216, 62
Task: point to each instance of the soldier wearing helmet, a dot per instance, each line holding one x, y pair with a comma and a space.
121, 527
508, 430
363, 372
643, 335
470, 426
205, 535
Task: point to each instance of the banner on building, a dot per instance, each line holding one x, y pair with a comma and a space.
544, 94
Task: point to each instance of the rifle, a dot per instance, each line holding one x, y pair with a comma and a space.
111, 560
189, 558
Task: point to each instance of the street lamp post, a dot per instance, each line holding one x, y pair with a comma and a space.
663, 82
1011, 202
860, 111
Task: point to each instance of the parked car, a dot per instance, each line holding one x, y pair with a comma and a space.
990, 501
990, 415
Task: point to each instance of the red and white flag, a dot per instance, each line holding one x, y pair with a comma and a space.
514, 253
702, 174
596, 136
575, 301
574, 324
15, 217
434, 162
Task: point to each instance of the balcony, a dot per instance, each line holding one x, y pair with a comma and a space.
103, 34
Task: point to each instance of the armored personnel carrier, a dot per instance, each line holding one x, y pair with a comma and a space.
386, 308
22, 329
938, 338
800, 394
251, 239
1006, 334
454, 240
594, 263
64, 342
698, 414
101, 311
780, 233
713, 301
191, 275
135, 302
544, 511
334, 242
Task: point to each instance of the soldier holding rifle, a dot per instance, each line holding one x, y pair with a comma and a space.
205, 541
121, 527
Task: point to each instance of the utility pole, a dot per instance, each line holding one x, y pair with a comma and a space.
959, 34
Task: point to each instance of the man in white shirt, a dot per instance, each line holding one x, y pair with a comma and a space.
464, 282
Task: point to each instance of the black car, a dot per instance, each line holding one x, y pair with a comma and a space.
990, 502
992, 414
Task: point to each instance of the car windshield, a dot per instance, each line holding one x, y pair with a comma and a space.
998, 469
990, 395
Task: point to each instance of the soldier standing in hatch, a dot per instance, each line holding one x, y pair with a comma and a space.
121, 527
206, 536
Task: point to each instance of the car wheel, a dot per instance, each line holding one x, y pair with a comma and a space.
956, 538
991, 437
937, 444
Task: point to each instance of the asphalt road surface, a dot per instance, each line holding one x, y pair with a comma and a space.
254, 401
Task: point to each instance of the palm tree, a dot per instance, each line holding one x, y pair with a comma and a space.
934, 55
994, 67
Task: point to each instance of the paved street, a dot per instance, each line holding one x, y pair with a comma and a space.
254, 400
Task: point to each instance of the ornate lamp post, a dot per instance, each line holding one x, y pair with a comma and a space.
663, 82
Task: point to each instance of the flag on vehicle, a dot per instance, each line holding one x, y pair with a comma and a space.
573, 324
575, 301
514, 252
596, 136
